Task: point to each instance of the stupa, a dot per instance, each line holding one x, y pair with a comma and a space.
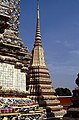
14, 63
73, 110
14, 55
38, 77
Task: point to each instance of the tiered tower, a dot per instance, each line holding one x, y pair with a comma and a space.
11, 8
38, 77
15, 14
14, 56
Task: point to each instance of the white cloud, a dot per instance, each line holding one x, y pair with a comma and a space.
68, 43
75, 52
63, 74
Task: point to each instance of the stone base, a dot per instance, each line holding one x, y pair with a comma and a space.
72, 114
60, 114
70, 118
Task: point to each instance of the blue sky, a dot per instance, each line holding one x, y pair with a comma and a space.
59, 21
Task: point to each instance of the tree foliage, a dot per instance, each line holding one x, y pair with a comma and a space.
63, 92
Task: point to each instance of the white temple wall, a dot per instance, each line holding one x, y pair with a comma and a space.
10, 77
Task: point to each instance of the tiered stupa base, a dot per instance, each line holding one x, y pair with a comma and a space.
54, 104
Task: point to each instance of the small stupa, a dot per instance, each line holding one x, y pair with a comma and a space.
38, 77
73, 110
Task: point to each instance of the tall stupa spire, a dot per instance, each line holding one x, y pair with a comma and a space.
38, 34
38, 49
38, 77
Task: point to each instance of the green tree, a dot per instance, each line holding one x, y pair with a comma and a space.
63, 92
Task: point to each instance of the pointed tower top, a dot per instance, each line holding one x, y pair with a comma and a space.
38, 35
38, 9
38, 58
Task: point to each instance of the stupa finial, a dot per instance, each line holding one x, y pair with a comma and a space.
38, 35
77, 80
38, 9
